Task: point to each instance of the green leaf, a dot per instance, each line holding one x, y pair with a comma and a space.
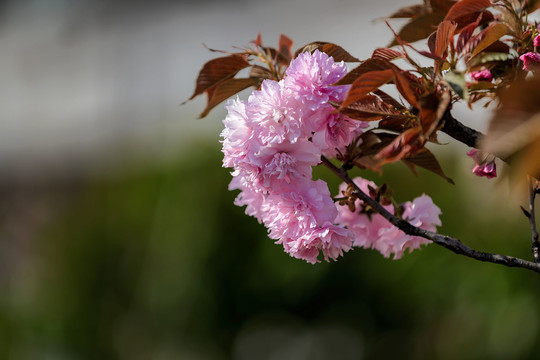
456, 80
485, 58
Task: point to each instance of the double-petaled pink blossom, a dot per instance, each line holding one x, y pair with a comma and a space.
374, 231
272, 140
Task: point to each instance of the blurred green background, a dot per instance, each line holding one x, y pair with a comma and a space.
155, 262
119, 239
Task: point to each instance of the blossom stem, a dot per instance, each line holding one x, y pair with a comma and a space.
448, 242
533, 188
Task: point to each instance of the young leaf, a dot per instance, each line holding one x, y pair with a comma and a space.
420, 27
403, 84
442, 6
370, 108
218, 70
386, 54
432, 108
491, 35
445, 36
336, 51
368, 65
367, 83
225, 90
425, 159
465, 35
396, 124
456, 80
465, 7
405, 145
408, 12
285, 46
389, 100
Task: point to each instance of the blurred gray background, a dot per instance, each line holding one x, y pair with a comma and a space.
85, 81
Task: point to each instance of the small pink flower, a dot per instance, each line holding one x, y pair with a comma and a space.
483, 75
536, 41
488, 170
482, 167
531, 61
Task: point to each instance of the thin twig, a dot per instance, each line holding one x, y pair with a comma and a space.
533, 188
445, 241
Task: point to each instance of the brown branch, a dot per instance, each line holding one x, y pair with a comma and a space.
533, 188
458, 131
445, 241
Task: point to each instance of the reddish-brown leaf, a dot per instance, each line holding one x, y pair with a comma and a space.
442, 6
285, 48
465, 7
397, 124
336, 51
258, 40
409, 12
386, 54
532, 5
419, 27
468, 19
365, 84
516, 123
425, 159
367, 66
225, 90
389, 100
218, 70
405, 145
445, 36
431, 42
432, 108
369, 108
466, 34
405, 87
491, 35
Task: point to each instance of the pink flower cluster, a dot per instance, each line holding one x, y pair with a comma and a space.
374, 231
274, 138
482, 167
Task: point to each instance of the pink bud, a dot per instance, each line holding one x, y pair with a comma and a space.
488, 170
483, 75
536, 41
531, 61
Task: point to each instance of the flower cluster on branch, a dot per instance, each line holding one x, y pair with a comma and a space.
307, 107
